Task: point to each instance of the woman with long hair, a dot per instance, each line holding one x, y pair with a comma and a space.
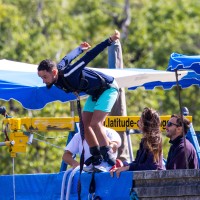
149, 155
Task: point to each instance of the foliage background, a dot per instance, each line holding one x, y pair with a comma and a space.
32, 30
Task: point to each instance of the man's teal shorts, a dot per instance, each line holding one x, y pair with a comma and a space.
105, 102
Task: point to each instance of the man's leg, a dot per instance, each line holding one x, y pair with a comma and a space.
94, 116
93, 129
97, 126
102, 108
94, 52
91, 139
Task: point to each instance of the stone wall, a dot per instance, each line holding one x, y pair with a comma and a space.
167, 184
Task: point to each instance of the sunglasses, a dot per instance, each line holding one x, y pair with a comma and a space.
171, 124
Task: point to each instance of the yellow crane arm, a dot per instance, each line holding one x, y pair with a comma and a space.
19, 139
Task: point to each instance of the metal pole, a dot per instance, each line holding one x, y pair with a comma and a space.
181, 112
130, 149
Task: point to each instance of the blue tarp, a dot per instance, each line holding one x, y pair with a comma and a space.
20, 81
24, 87
48, 186
31, 187
184, 62
188, 80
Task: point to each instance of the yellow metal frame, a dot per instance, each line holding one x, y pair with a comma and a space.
122, 123
18, 139
18, 143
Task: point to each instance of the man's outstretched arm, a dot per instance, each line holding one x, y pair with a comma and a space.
90, 55
72, 55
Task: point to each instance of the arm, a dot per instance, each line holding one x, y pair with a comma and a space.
143, 161
114, 145
148, 165
90, 55
113, 138
71, 149
119, 170
67, 157
72, 55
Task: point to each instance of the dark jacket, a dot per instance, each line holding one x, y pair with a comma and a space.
176, 155
77, 77
144, 160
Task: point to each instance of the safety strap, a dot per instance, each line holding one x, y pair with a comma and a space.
92, 189
104, 86
82, 87
68, 85
81, 125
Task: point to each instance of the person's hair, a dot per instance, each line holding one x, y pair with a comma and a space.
47, 65
186, 122
151, 132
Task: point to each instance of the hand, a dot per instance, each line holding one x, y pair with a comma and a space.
74, 164
118, 171
115, 36
113, 145
85, 46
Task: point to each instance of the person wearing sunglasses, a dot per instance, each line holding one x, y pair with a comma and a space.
176, 155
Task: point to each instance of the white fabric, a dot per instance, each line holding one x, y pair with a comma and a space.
75, 145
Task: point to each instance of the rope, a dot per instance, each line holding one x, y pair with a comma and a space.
70, 182
81, 125
63, 183
13, 163
51, 137
48, 143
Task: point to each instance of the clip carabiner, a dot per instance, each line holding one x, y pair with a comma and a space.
91, 196
77, 95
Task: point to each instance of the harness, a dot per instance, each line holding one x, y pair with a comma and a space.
84, 84
99, 91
